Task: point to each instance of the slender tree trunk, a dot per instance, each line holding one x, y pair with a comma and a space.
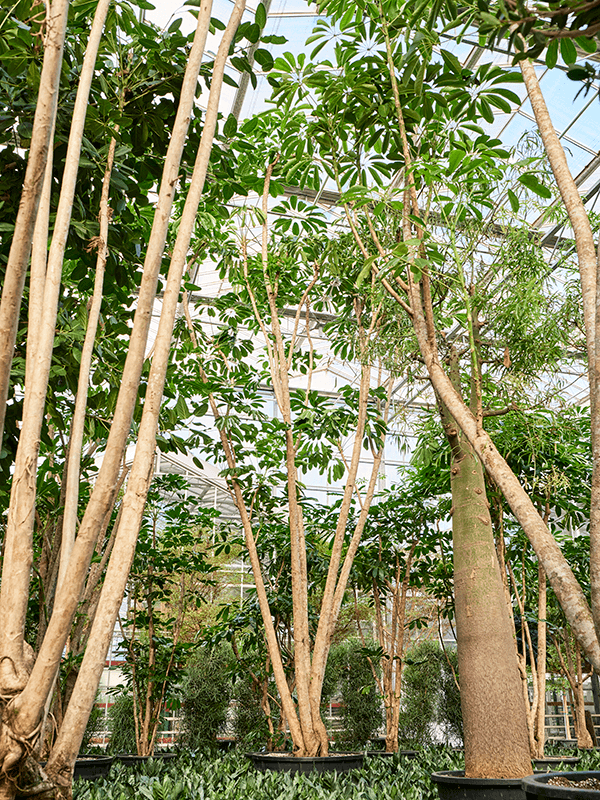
37, 272
43, 127
496, 739
14, 589
26, 709
60, 764
588, 268
34, 695
540, 721
78, 423
584, 739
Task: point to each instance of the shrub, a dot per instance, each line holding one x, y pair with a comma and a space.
121, 725
205, 695
250, 725
430, 696
95, 725
450, 712
420, 690
350, 672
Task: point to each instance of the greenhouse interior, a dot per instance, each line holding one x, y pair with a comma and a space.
300, 414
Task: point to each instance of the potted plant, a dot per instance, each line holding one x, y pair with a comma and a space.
435, 280
267, 456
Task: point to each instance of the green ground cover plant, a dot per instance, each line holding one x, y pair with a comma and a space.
231, 777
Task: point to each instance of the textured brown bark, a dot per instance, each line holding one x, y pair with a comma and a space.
496, 739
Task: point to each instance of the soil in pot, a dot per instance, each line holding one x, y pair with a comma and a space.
562, 786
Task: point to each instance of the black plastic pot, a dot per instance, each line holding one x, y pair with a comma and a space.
285, 762
554, 762
91, 768
401, 753
226, 744
378, 754
134, 760
410, 754
454, 786
536, 786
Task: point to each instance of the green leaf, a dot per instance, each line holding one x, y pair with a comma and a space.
230, 127
456, 156
588, 45
264, 58
552, 54
568, 51
531, 181
578, 74
260, 16
514, 201
452, 62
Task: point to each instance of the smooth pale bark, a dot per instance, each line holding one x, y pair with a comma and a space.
540, 720
287, 702
493, 707
64, 752
391, 641
279, 367
78, 422
37, 271
16, 267
14, 590
590, 291
531, 703
32, 699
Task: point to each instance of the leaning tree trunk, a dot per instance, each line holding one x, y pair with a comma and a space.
493, 707
21, 720
20, 249
64, 752
590, 292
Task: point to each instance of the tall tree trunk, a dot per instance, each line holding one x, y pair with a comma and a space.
102, 495
559, 573
540, 721
26, 708
493, 707
78, 422
62, 759
590, 290
14, 589
43, 127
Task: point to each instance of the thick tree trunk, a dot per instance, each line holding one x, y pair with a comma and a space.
496, 739
558, 571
